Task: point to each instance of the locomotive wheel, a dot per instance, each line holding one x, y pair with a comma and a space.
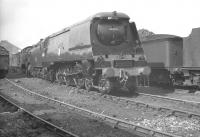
108, 85
79, 82
67, 80
59, 78
51, 76
131, 84
88, 84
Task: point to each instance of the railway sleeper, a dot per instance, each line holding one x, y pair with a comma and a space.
162, 109
180, 113
144, 131
139, 104
195, 116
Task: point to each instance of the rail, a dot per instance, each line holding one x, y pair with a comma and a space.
175, 112
169, 98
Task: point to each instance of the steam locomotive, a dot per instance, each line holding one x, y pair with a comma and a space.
103, 51
4, 62
25, 58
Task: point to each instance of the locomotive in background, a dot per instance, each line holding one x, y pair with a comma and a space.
25, 58
4, 62
191, 59
174, 61
104, 52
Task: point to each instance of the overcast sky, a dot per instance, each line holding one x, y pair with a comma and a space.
25, 22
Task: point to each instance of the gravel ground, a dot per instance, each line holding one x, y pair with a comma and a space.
79, 124
90, 100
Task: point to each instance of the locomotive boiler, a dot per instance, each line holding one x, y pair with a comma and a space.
103, 51
4, 62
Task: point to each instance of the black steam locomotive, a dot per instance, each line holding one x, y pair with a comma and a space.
103, 51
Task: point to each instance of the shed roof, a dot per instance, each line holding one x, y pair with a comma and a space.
9, 46
3, 51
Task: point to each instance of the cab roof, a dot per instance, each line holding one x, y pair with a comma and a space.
110, 14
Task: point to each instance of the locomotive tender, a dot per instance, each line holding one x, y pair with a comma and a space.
4, 62
164, 53
103, 51
174, 61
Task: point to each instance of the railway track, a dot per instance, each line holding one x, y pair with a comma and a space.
175, 112
117, 123
58, 130
169, 98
